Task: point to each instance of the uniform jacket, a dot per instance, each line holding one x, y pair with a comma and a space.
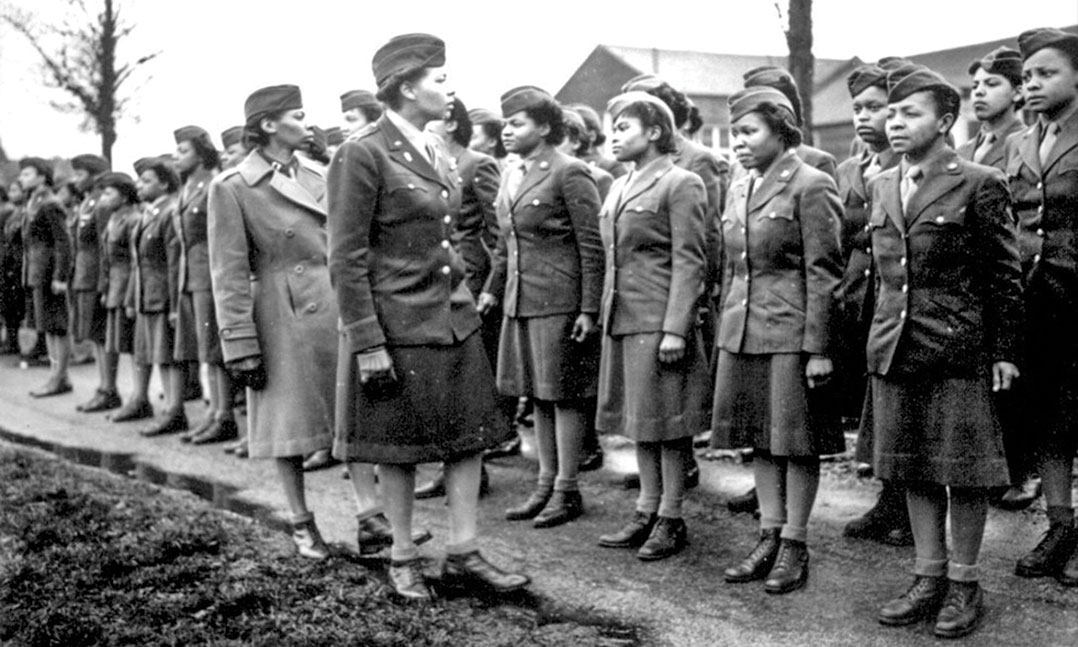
714, 171
549, 258
654, 235
477, 223
997, 153
783, 261
597, 160
46, 246
948, 283
856, 234
155, 247
1045, 202
190, 221
10, 243
87, 234
399, 279
118, 258
271, 289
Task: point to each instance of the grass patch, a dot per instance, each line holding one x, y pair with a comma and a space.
91, 559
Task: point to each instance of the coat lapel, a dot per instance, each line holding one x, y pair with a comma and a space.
739, 193
774, 182
1066, 140
537, 172
401, 150
942, 176
255, 167
1028, 150
891, 197
642, 183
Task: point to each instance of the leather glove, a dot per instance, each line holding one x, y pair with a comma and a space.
249, 372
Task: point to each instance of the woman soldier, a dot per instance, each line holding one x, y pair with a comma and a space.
783, 263
46, 268
653, 380
197, 161
1041, 163
943, 337
12, 298
887, 521
233, 149
151, 297
595, 137
548, 278
415, 383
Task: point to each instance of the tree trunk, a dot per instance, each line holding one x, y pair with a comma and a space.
802, 63
106, 112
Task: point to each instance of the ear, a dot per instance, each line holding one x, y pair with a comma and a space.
946, 122
450, 126
268, 125
654, 133
544, 130
407, 91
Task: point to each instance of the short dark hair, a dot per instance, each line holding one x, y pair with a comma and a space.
946, 100
4, 197
650, 116
694, 123
458, 114
125, 189
165, 174
389, 92
493, 130
371, 111
206, 151
41, 166
253, 135
781, 122
675, 100
548, 112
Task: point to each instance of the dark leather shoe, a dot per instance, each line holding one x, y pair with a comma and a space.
1068, 576
319, 460
922, 600
243, 451
962, 610
887, 521
746, 502
472, 568
218, 432
1051, 555
759, 562
408, 581
102, 401
791, 568
533, 506
633, 534
562, 507
206, 423
432, 490
136, 410
1020, 495
591, 460
374, 534
308, 541
174, 421
51, 388
668, 537
510, 447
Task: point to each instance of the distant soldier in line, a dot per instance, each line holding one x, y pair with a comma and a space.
12, 297
487, 135
593, 154
358, 108
233, 148
46, 268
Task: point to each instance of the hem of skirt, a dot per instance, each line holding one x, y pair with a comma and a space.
911, 469
411, 455
651, 429
290, 449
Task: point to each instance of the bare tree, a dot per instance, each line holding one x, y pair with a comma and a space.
78, 55
802, 63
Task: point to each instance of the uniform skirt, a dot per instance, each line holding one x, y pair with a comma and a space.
209, 341
943, 430
119, 332
185, 341
49, 311
87, 317
153, 339
538, 358
1051, 372
647, 400
763, 401
440, 407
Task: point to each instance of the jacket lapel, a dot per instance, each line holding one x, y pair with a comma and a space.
1028, 149
644, 182
774, 182
739, 192
537, 172
255, 167
402, 151
1066, 140
891, 197
942, 176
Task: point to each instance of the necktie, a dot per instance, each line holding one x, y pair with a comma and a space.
1048, 139
430, 154
516, 179
982, 149
909, 186
873, 168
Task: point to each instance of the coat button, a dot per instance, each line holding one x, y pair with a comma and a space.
289, 233
744, 302
905, 288
868, 227
902, 314
1040, 232
939, 220
448, 220
445, 244
445, 194
411, 186
868, 272
1040, 185
312, 307
535, 202
446, 270
744, 255
1036, 258
902, 261
868, 250
299, 269
771, 215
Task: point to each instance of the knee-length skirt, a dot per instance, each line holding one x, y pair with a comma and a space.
763, 401
49, 311
206, 333
942, 430
647, 400
153, 339
185, 340
537, 357
88, 320
440, 407
119, 331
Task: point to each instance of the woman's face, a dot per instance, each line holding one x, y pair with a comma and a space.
15, 192
150, 187
232, 155
992, 94
111, 198
631, 141
431, 93
30, 179
186, 157
870, 116
521, 135
289, 129
755, 144
1051, 82
481, 142
913, 125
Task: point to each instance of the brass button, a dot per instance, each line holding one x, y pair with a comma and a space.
902, 261
446, 270
445, 244
448, 220
289, 233
1040, 232
312, 307
902, 314
445, 194
299, 269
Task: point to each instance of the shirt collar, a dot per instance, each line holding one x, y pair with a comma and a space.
414, 136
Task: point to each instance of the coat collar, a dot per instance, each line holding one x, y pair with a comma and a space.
254, 168
939, 177
404, 153
771, 184
887, 159
642, 182
538, 169
1065, 141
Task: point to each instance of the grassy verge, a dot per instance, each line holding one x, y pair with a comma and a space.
90, 559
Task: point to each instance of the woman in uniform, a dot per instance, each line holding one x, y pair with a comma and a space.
1041, 163
548, 278
653, 380
782, 265
416, 386
944, 336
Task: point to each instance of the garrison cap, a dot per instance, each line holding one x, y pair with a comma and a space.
891, 62
1032, 41
751, 99
233, 135
866, 76
92, 164
775, 77
40, 164
574, 121
334, 136
1003, 61
143, 164
122, 182
643, 83
357, 99
523, 97
189, 132
407, 52
482, 116
271, 99
618, 104
904, 81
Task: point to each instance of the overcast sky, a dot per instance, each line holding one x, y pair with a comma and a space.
215, 52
